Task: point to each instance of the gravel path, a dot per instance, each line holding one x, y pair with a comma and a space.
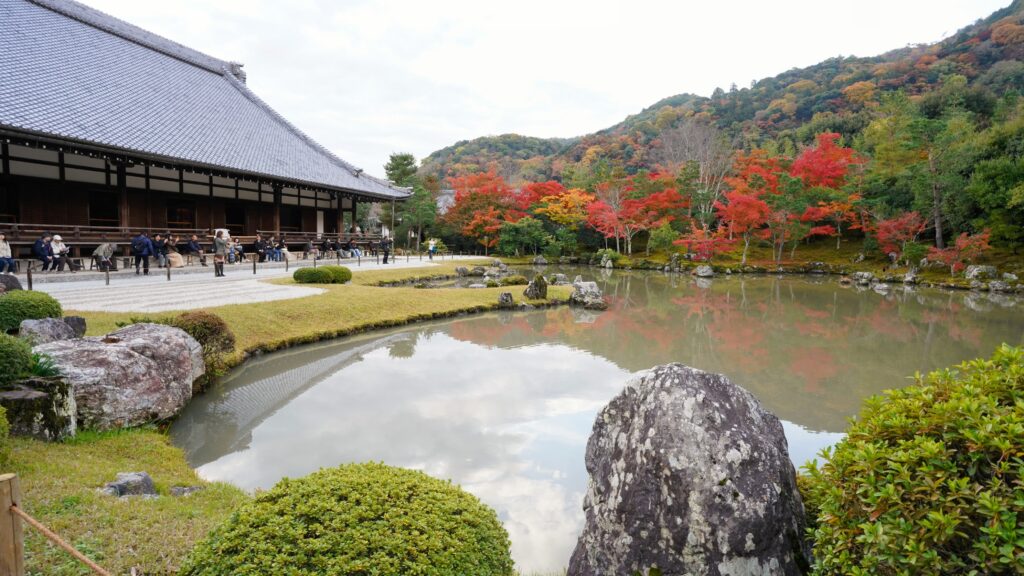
154, 293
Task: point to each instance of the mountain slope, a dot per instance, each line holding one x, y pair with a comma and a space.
784, 111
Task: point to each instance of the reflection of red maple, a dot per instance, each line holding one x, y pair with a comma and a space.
814, 366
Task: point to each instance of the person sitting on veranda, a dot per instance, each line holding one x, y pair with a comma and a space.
60, 253
42, 251
173, 256
104, 256
160, 250
351, 247
6, 256
196, 249
325, 247
273, 252
310, 249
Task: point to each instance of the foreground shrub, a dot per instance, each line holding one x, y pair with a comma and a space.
929, 477
26, 305
15, 358
339, 274
358, 519
514, 280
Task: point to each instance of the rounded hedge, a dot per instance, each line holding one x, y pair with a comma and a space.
323, 275
26, 305
15, 358
357, 519
514, 280
210, 330
340, 274
930, 478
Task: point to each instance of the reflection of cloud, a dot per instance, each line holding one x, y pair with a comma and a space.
456, 410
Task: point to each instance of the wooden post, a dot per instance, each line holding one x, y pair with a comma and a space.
12, 562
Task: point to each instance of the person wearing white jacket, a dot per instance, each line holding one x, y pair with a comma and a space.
60, 252
6, 257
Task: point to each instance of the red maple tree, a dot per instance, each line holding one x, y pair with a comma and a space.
826, 164
964, 250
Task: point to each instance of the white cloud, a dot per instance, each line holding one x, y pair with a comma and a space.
370, 77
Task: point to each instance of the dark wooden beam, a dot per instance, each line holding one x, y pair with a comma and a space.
122, 191
5, 158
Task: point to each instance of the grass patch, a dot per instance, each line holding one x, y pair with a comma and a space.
341, 310
59, 482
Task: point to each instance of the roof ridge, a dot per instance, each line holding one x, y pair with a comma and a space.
132, 33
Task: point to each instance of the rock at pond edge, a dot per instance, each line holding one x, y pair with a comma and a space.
689, 473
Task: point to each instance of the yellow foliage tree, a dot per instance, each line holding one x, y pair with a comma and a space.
568, 208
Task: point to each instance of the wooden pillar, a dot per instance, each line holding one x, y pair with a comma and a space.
210, 214
277, 209
12, 552
5, 158
122, 192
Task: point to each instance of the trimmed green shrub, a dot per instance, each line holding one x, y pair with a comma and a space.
340, 274
26, 305
930, 478
313, 276
216, 338
207, 328
491, 283
358, 519
612, 255
514, 280
15, 358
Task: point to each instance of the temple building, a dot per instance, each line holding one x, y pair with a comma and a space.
107, 129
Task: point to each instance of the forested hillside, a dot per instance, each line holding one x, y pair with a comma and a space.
781, 112
917, 149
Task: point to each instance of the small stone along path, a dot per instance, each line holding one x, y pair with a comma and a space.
189, 289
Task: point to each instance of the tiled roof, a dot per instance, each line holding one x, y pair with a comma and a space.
75, 73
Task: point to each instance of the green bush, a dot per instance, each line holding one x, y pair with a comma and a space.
930, 478
15, 358
26, 305
207, 328
514, 280
214, 335
314, 276
662, 238
357, 519
612, 255
340, 274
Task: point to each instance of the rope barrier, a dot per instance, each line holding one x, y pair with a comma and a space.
59, 541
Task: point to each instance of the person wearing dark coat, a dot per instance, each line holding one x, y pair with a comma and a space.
385, 247
43, 252
260, 248
194, 247
142, 249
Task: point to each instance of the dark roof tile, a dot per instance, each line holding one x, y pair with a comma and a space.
71, 71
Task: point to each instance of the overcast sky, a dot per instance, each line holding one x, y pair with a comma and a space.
369, 77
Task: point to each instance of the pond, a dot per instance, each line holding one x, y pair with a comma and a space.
503, 403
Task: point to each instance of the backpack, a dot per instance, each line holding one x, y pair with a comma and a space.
138, 245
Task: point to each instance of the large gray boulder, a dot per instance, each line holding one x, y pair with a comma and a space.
136, 375
77, 324
863, 278
9, 283
540, 260
978, 272
587, 295
178, 356
537, 289
40, 408
704, 271
131, 484
689, 474
45, 330
505, 300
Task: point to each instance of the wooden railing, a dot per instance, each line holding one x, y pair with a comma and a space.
12, 548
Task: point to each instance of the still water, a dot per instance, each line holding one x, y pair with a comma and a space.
503, 403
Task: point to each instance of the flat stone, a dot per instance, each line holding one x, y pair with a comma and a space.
131, 484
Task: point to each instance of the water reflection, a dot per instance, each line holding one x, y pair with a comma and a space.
503, 403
